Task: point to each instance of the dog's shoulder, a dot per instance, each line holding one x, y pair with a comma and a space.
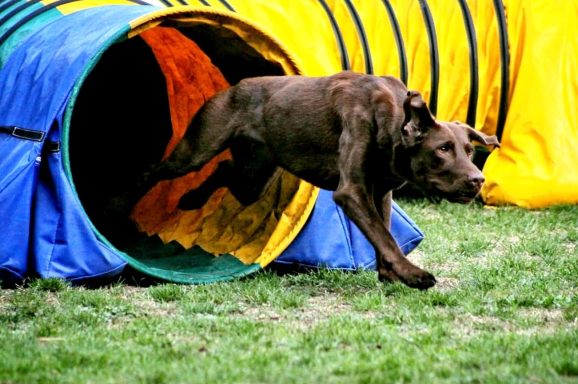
368, 93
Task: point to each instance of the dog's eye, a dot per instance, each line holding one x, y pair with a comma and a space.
445, 148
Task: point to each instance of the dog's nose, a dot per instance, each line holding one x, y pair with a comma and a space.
477, 180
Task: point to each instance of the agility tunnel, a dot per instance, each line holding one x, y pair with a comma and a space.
93, 92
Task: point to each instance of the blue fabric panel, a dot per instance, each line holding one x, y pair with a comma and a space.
331, 240
65, 244
37, 80
18, 174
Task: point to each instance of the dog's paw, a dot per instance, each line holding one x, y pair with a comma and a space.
387, 276
420, 280
415, 278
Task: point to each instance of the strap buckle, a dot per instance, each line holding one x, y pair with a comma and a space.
23, 133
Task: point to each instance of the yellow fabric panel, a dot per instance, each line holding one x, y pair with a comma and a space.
414, 34
292, 219
380, 36
213, 4
536, 165
454, 58
79, 5
489, 64
302, 26
350, 35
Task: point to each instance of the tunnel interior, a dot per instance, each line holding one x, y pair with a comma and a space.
121, 123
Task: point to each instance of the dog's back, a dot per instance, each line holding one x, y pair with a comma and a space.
301, 119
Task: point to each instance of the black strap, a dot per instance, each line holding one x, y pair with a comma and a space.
23, 133
52, 147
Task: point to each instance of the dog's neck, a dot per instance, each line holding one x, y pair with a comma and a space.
401, 163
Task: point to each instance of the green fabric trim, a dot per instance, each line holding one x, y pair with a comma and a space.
174, 263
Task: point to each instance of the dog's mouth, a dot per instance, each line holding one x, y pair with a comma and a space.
461, 195
461, 198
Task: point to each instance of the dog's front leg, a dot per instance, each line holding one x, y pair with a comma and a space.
382, 202
354, 197
391, 263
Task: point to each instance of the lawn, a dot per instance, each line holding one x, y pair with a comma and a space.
505, 310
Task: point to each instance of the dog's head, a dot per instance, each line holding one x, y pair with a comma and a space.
439, 154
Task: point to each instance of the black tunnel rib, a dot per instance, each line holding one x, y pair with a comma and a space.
345, 64
398, 41
474, 75
505, 65
362, 37
434, 55
8, 4
29, 17
16, 10
227, 5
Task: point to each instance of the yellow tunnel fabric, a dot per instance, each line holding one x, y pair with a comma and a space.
305, 29
536, 165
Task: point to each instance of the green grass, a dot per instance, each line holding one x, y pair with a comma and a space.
505, 310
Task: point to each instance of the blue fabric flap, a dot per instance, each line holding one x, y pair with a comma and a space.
37, 80
331, 240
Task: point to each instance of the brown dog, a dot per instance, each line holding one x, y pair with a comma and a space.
361, 136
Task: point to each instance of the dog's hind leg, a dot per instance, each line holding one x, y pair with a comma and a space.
206, 137
247, 175
196, 198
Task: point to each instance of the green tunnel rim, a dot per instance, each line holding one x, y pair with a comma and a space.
234, 268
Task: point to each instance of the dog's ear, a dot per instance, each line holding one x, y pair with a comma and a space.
418, 119
480, 136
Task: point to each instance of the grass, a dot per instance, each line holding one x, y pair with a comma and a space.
505, 310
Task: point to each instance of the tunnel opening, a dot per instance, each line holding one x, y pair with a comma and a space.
123, 122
